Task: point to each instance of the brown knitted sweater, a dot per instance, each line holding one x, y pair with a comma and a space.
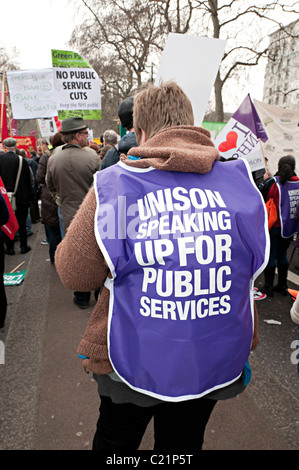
79, 261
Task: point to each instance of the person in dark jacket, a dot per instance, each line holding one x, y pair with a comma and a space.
4, 216
125, 114
49, 208
9, 164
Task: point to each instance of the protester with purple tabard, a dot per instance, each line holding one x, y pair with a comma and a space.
284, 189
177, 239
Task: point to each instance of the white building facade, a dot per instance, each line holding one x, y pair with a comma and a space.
281, 84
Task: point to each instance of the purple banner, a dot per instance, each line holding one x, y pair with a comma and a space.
247, 115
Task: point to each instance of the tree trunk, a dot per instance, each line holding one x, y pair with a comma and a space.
218, 99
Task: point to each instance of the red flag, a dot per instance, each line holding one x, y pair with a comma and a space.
58, 123
4, 130
12, 226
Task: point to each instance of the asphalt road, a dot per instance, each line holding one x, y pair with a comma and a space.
47, 401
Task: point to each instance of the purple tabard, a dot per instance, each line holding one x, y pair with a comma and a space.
183, 250
288, 200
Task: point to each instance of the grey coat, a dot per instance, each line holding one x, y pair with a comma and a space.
70, 176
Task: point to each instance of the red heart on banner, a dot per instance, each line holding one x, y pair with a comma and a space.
230, 143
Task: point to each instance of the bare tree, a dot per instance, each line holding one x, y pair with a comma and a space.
228, 20
119, 32
118, 38
7, 59
124, 38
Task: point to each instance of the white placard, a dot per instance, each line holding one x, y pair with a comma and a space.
47, 127
77, 89
282, 129
256, 159
32, 93
192, 62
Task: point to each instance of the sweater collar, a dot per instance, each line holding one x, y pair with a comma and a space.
187, 149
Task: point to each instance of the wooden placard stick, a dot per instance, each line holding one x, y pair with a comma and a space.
2, 104
17, 267
38, 130
266, 165
8, 108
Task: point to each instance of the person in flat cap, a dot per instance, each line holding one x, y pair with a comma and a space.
10, 143
125, 114
9, 166
70, 175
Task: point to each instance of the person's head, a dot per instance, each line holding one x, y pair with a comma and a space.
57, 140
21, 152
125, 113
41, 146
286, 168
159, 107
110, 137
10, 144
94, 146
75, 130
104, 150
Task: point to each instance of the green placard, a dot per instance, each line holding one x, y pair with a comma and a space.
89, 114
68, 59
214, 126
14, 279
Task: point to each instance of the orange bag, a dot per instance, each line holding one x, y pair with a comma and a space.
272, 213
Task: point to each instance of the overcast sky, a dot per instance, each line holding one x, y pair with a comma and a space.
34, 27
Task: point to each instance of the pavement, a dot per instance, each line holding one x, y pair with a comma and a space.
48, 402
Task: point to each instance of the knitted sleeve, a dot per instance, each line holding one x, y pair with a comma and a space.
78, 259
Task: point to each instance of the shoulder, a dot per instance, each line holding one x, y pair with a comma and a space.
128, 141
266, 185
92, 154
111, 152
111, 157
44, 158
